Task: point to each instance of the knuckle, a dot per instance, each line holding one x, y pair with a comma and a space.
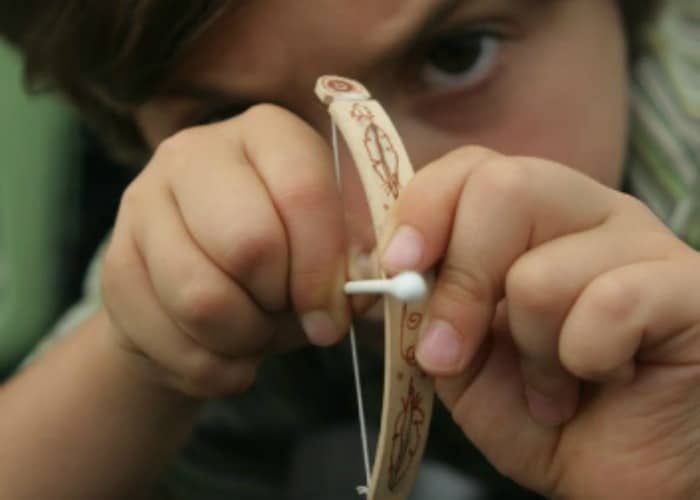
116, 269
628, 202
637, 215
179, 143
201, 374
264, 112
176, 150
198, 303
502, 178
535, 285
112, 267
472, 154
172, 147
132, 199
243, 377
129, 197
459, 285
253, 249
609, 295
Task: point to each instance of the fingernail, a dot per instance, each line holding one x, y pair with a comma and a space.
546, 410
320, 328
405, 250
441, 349
361, 266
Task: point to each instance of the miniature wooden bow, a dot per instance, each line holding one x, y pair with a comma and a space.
384, 168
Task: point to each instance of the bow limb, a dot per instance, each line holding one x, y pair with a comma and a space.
384, 168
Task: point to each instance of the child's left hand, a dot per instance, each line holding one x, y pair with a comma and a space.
565, 330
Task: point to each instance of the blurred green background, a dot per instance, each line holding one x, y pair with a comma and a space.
38, 181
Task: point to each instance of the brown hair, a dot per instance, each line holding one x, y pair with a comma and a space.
107, 56
637, 15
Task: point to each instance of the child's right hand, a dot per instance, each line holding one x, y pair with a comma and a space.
229, 228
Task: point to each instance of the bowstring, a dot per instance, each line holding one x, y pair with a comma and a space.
353, 337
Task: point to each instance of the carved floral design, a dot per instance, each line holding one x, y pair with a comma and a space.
406, 438
380, 150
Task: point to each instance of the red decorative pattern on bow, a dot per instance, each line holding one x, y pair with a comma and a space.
406, 438
410, 323
380, 150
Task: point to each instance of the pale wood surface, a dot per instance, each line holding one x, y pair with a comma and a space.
384, 169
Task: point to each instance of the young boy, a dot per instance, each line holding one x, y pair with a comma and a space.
565, 317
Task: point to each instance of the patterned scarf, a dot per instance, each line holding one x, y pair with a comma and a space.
663, 166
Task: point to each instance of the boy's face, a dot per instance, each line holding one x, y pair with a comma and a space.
542, 78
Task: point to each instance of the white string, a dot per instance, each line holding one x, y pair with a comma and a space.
360, 409
362, 490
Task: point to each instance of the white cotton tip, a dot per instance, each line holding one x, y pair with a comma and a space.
408, 286
351, 96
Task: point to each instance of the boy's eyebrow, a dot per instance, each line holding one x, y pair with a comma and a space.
434, 20
201, 91
430, 23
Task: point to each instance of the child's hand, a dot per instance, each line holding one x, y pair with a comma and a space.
228, 229
566, 334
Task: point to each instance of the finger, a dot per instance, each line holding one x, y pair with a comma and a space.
298, 175
227, 210
545, 194
504, 207
204, 301
134, 309
542, 286
647, 312
487, 403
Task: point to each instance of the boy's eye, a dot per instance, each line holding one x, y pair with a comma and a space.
460, 60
